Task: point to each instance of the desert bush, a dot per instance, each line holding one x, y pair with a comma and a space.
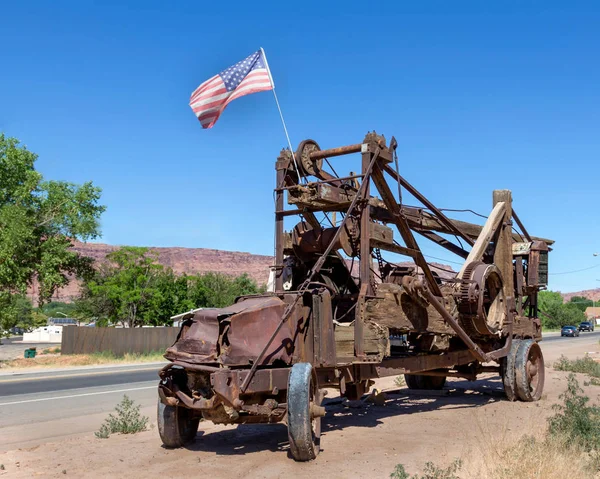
575, 420
127, 420
585, 365
430, 471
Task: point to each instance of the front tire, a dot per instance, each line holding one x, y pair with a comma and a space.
177, 426
304, 430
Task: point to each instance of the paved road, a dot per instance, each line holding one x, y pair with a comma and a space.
549, 337
46, 405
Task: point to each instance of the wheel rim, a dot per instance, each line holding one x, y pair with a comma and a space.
530, 373
535, 371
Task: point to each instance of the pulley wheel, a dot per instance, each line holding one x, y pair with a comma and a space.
307, 166
482, 302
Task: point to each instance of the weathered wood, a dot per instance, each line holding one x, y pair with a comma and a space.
443, 242
375, 340
489, 229
503, 257
394, 248
394, 308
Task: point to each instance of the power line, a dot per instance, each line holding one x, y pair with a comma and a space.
577, 270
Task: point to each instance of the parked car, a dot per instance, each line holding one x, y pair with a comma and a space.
586, 326
569, 331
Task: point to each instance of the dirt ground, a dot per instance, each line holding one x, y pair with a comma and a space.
363, 442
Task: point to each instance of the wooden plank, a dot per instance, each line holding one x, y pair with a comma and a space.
443, 242
395, 309
503, 257
376, 340
490, 227
394, 248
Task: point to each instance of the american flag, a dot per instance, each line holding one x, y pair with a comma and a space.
251, 75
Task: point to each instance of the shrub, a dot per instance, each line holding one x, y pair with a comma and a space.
128, 420
584, 365
431, 471
578, 422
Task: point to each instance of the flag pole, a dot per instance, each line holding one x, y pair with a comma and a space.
280, 114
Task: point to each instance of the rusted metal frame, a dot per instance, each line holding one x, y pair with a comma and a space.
519, 275
424, 362
192, 366
462, 334
516, 218
312, 220
441, 216
315, 269
228, 383
329, 181
443, 242
279, 230
365, 274
403, 228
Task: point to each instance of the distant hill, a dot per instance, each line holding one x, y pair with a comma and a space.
180, 260
593, 294
197, 261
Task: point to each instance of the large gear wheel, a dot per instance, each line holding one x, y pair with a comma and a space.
482, 303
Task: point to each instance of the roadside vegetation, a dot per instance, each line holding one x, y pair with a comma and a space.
38, 220
569, 447
132, 288
127, 420
556, 313
52, 360
585, 365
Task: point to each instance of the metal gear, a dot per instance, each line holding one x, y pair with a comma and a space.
482, 305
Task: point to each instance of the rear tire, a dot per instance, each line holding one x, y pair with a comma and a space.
529, 371
507, 371
177, 426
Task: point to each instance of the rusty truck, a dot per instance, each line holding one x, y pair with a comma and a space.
338, 302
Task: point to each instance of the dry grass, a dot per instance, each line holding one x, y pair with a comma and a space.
47, 361
532, 457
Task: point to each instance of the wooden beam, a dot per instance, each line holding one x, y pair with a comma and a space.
444, 243
489, 228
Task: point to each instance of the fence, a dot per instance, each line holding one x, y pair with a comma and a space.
83, 340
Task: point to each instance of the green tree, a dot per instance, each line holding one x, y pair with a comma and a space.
216, 290
555, 313
124, 289
581, 302
38, 221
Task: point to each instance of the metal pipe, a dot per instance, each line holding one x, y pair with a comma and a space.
342, 150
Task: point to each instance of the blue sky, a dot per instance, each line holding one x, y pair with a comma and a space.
479, 96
